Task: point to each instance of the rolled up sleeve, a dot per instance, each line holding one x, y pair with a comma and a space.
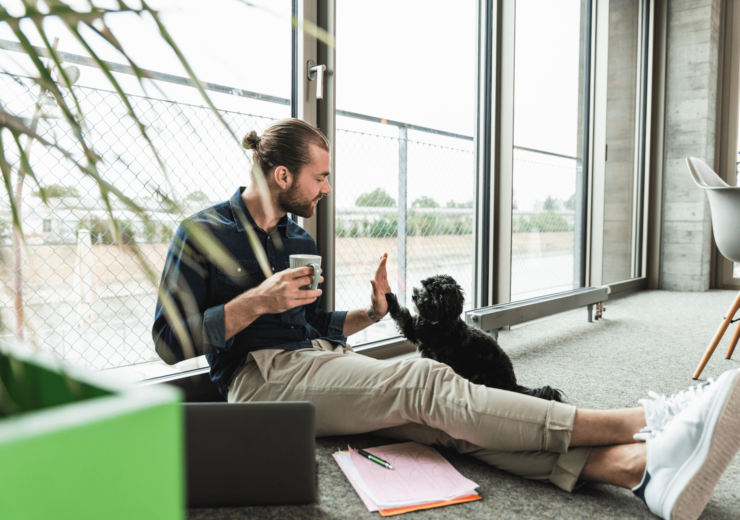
329, 324
214, 325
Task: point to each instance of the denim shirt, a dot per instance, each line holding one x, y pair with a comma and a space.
199, 286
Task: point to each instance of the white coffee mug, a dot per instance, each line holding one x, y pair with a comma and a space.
308, 260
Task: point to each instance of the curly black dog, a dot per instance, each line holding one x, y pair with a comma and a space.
440, 334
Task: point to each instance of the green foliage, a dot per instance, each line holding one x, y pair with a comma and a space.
385, 227
353, 229
423, 224
522, 225
56, 191
425, 202
197, 196
550, 204
157, 233
151, 233
167, 234
418, 223
460, 205
99, 233
5, 228
546, 222
102, 233
378, 198
550, 222
570, 204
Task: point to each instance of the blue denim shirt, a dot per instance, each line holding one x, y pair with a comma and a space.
199, 286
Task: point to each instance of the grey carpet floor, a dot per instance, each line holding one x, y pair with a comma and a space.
652, 340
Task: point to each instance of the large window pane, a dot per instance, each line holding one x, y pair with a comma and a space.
400, 190
549, 98
82, 296
624, 140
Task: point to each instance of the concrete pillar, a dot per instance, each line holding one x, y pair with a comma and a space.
691, 107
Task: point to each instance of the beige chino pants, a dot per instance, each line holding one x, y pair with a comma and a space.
418, 400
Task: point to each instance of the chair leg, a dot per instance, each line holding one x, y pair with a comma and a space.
733, 343
717, 337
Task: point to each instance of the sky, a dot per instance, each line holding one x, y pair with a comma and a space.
407, 60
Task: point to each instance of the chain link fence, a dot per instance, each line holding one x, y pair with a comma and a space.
543, 224
83, 297
390, 184
410, 199
88, 300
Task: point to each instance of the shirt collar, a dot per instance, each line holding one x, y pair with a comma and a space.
243, 218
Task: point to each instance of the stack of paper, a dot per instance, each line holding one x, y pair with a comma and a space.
421, 478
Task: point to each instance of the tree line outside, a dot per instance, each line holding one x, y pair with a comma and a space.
420, 222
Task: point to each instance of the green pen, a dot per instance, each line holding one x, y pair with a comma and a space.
374, 459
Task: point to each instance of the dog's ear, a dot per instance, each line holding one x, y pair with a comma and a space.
453, 298
425, 301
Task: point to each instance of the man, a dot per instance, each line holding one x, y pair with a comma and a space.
267, 340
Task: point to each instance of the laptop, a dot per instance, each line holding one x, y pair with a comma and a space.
245, 454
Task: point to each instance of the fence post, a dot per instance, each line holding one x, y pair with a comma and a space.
579, 227
402, 165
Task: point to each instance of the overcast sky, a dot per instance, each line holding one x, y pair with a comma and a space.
407, 60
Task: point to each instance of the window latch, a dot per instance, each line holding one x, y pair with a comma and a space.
316, 72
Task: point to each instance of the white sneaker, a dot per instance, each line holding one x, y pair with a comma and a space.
661, 409
686, 458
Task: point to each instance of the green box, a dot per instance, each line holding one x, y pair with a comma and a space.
77, 445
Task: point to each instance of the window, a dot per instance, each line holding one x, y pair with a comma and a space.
85, 297
550, 114
625, 141
405, 170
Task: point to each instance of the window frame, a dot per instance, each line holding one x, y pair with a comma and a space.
728, 119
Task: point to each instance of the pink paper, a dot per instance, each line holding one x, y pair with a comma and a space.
419, 473
371, 506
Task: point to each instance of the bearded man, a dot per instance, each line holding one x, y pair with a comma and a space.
267, 340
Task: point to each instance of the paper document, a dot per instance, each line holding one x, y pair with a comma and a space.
420, 475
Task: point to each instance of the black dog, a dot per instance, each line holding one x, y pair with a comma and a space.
440, 334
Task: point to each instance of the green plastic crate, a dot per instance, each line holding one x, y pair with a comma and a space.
84, 446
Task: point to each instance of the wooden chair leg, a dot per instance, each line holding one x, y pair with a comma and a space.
733, 343
717, 337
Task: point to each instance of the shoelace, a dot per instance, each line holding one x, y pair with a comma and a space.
677, 402
644, 434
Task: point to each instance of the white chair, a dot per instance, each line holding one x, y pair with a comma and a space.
724, 201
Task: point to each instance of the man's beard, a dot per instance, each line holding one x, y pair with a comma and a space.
291, 202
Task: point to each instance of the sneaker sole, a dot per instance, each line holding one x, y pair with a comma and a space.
724, 444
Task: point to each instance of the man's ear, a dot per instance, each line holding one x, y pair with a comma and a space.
283, 177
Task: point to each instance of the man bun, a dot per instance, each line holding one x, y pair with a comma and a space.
251, 141
287, 143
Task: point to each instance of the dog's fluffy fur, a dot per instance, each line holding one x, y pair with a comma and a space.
440, 334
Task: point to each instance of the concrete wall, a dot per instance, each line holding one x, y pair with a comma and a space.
691, 101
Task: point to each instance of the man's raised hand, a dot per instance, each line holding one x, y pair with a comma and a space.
381, 287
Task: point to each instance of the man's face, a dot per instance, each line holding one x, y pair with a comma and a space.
311, 185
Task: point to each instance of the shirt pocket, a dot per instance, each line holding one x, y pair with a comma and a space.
238, 275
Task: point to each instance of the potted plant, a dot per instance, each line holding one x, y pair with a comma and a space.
75, 444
